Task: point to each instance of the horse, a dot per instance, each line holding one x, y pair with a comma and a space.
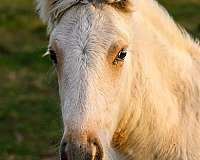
129, 80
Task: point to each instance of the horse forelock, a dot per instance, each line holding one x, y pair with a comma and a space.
51, 11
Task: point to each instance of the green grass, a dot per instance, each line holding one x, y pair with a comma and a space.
186, 13
30, 121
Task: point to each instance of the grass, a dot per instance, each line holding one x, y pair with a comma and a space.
29, 110
186, 13
30, 123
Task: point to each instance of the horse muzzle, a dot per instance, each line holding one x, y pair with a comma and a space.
86, 148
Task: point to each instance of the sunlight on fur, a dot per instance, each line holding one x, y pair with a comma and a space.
147, 107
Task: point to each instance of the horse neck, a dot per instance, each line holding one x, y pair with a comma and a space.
159, 19
166, 72
168, 58
165, 96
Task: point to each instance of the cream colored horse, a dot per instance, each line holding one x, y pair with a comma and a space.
129, 80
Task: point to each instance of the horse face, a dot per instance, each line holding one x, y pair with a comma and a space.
91, 51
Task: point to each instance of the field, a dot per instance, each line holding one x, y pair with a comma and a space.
30, 119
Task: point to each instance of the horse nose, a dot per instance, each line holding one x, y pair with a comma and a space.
91, 149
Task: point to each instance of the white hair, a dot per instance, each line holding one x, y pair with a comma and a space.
163, 109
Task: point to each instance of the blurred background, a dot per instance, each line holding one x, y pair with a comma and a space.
30, 118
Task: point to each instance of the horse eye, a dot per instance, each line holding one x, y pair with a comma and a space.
121, 56
53, 56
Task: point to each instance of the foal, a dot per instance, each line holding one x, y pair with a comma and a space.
129, 80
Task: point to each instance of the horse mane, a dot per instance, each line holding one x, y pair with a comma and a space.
164, 24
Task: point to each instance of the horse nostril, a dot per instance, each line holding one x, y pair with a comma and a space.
63, 153
90, 149
97, 149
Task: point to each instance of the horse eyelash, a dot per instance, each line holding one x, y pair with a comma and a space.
46, 53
